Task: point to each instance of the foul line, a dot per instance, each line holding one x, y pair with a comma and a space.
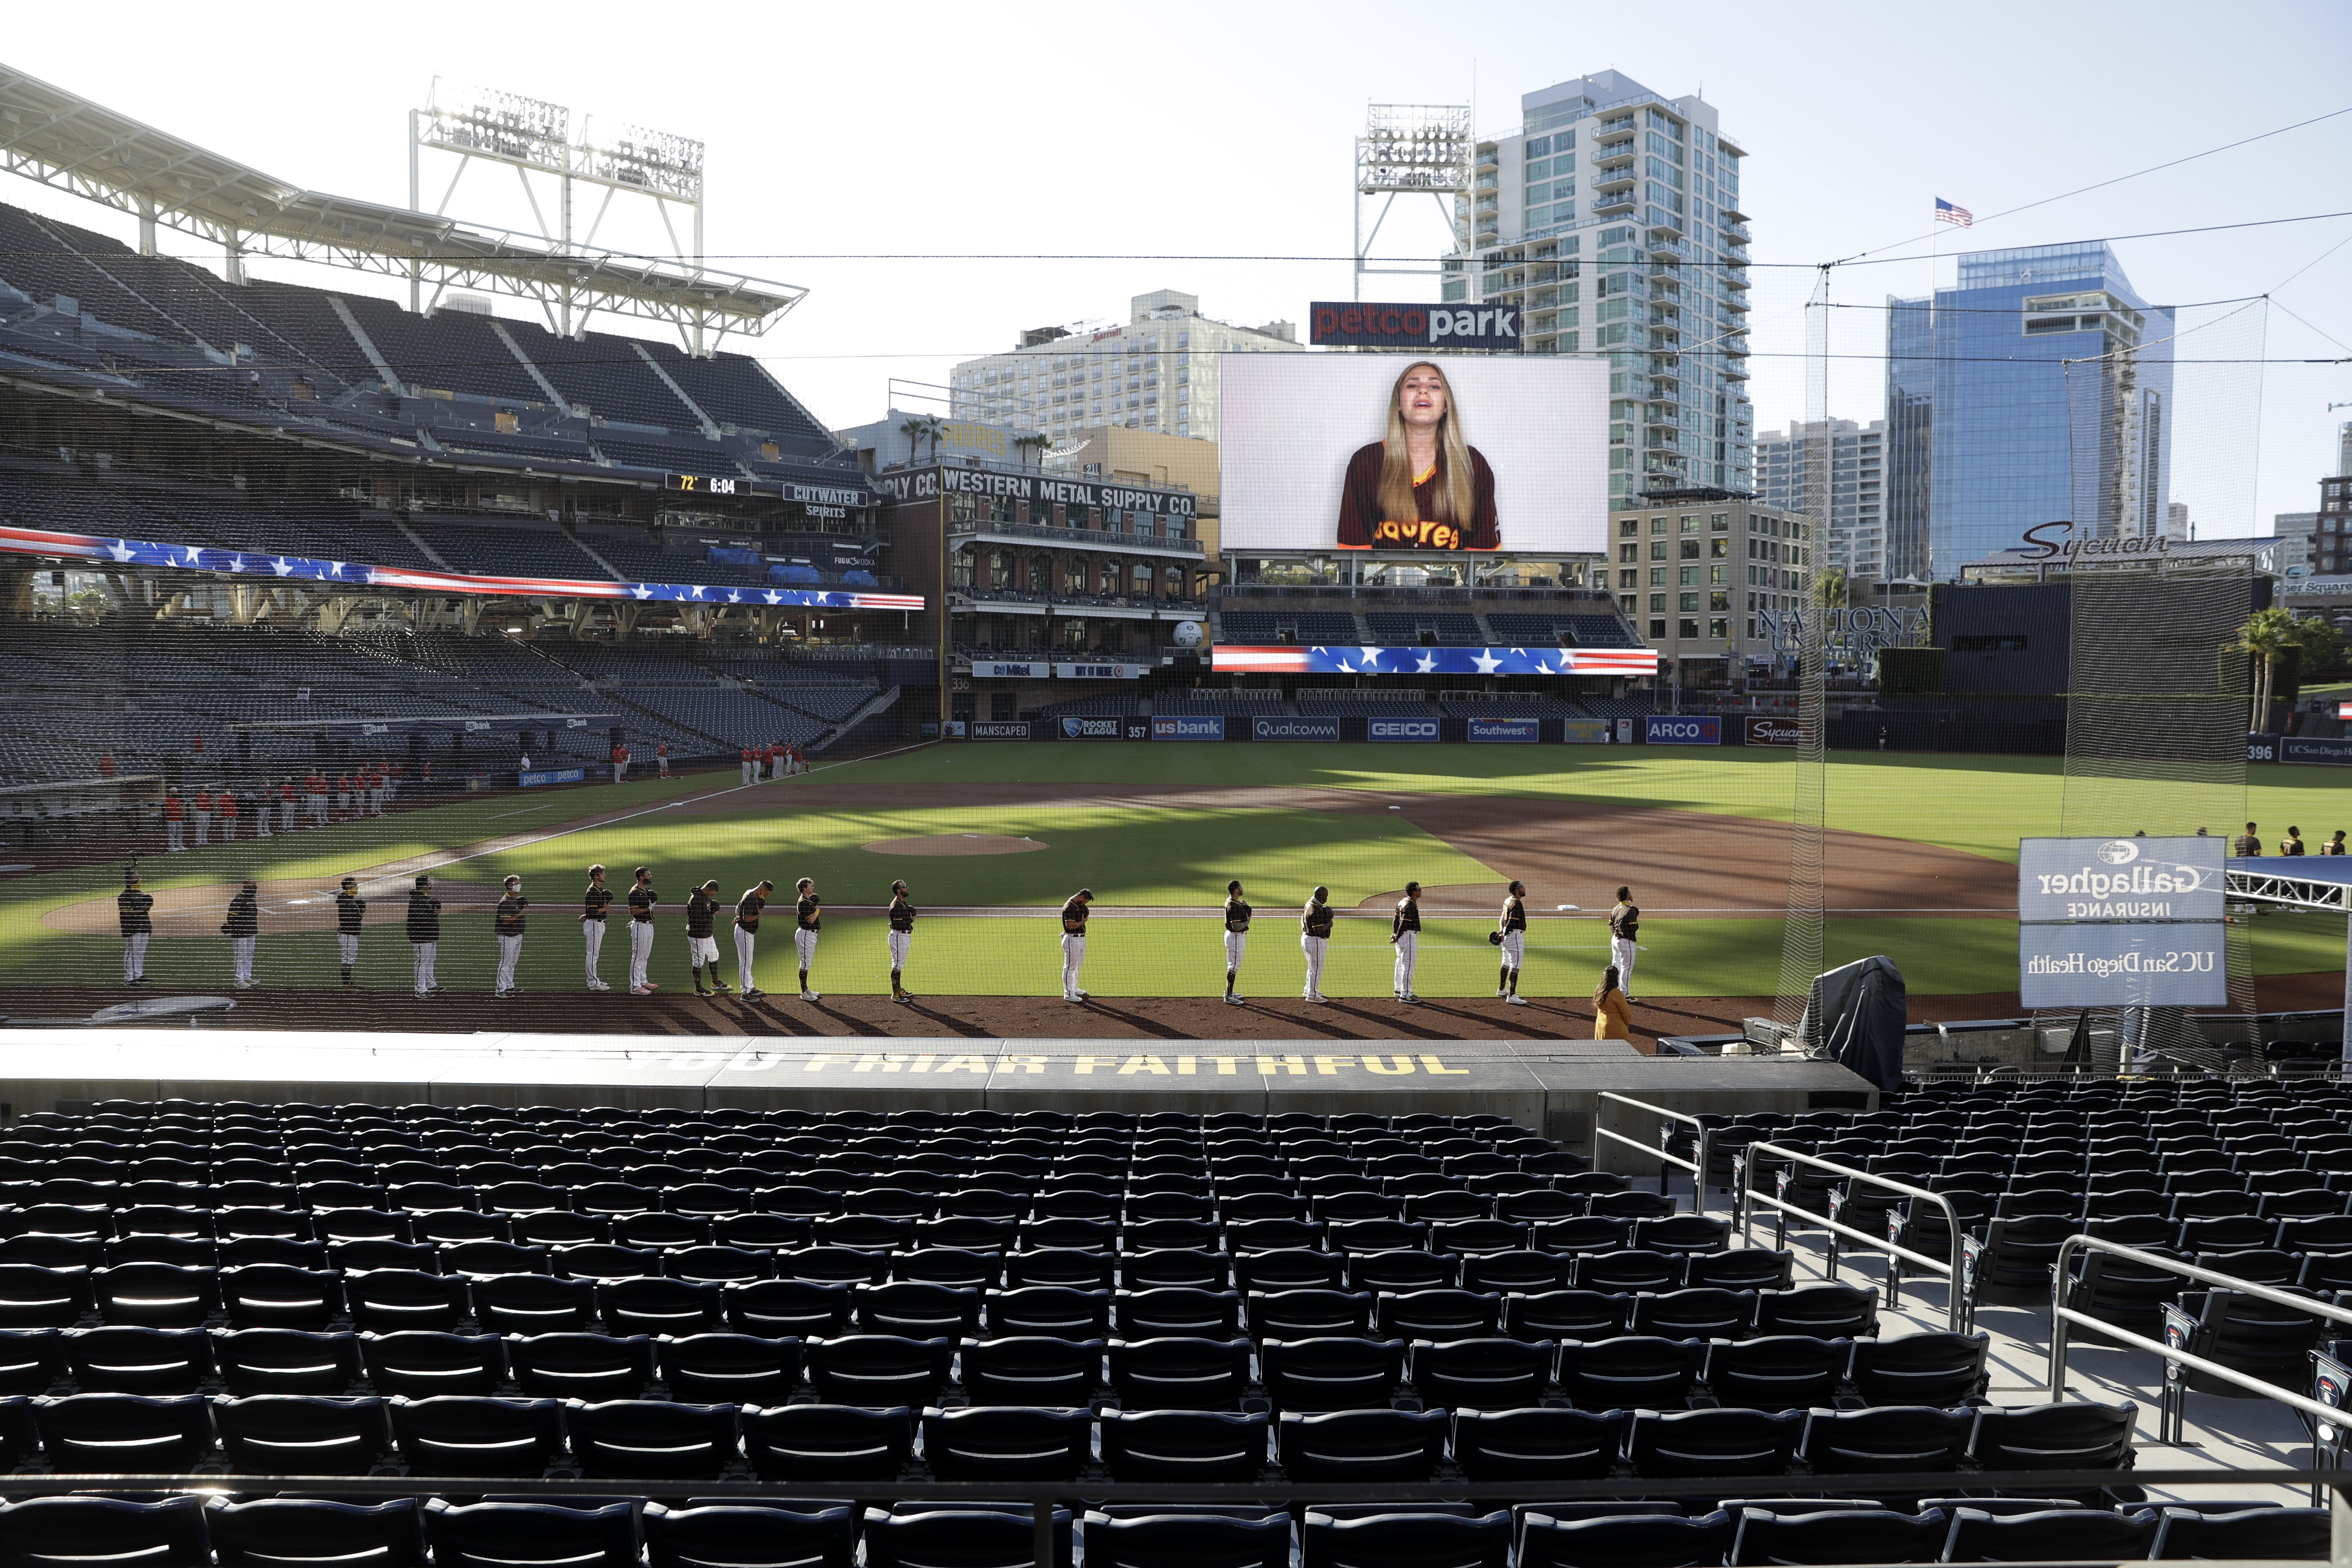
414, 865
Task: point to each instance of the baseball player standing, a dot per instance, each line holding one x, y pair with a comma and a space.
1624, 927
1314, 939
224, 805
902, 941
1512, 928
244, 923
1074, 942
350, 913
423, 933
808, 915
1404, 932
134, 910
642, 900
620, 765
702, 938
747, 935
1238, 924
661, 757
744, 754
175, 814
203, 816
261, 799
510, 923
593, 905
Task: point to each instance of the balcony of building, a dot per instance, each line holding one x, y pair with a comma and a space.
1110, 606
1618, 202
1617, 178
1666, 226
976, 530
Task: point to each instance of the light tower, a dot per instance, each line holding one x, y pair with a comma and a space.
1408, 149
530, 137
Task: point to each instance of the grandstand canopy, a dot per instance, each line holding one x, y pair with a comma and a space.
70, 144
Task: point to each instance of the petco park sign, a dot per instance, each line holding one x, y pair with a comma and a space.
1411, 326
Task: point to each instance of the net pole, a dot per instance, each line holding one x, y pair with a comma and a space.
1804, 931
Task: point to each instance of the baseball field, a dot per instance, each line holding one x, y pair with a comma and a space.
992, 837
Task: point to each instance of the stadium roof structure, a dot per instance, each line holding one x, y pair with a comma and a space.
69, 142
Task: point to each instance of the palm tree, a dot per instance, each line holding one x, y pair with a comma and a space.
2266, 635
923, 427
1033, 446
1830, 588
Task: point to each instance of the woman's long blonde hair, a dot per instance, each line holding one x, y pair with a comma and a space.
1457, 484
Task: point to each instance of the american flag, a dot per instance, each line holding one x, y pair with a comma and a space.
1947, 213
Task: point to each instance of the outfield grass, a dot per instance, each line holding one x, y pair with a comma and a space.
1160, 857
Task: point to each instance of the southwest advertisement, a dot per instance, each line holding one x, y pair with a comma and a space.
1442, 456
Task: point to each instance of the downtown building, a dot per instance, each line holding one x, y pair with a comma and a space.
1857, 506
1611, 219
1159, 372
2037, 389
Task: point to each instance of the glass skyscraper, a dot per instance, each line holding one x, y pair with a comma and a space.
2039, 389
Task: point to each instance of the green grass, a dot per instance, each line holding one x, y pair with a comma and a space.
1164, 856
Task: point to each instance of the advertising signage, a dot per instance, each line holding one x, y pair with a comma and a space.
997, 729
1520, 730
1188, 726
1352, 325
1682, 730
925, 484
1775, 732
1400, 729
2119, 879
1286, 728
2175, 964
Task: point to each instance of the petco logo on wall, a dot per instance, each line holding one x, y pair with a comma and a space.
1408, 326
1673, 729
1401, 729
1178, 727
1286, 729
1506, 729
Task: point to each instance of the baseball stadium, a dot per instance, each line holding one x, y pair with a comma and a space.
1257, 986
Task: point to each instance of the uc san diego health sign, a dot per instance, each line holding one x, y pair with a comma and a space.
2118, 923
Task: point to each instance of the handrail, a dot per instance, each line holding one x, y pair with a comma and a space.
1704, 1149
2061, 1314
1955, 1307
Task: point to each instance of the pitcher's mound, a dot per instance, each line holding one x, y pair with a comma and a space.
956, 844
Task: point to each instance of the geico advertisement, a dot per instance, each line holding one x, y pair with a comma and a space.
2176, 965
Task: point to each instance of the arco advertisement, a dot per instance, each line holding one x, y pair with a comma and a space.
1682, 730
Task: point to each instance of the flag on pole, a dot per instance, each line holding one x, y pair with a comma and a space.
1947, 213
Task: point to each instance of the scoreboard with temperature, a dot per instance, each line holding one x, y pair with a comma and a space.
709, 485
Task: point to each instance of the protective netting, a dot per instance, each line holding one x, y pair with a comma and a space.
1804, 939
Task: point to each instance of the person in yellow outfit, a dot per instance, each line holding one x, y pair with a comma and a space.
1613, 1014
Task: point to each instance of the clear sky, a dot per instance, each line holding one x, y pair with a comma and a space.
1223, 130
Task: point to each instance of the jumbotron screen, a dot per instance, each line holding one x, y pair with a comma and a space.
1441, 455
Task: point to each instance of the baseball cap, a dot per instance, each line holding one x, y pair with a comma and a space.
350, 881
423, 880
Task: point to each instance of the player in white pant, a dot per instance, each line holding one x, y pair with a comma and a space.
1624, 931
808, 916
244, 920
1238, 924
747, 935
1511, 936
902, 941
1313, 938
642, 900
1404, 930
510, 923
134, 908
1074, 943
424, 933
594, 905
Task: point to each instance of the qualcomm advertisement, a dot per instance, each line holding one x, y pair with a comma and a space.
1521, 730
1400, 729
1286, 728
2176, 964
1682, 730
1188, 727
